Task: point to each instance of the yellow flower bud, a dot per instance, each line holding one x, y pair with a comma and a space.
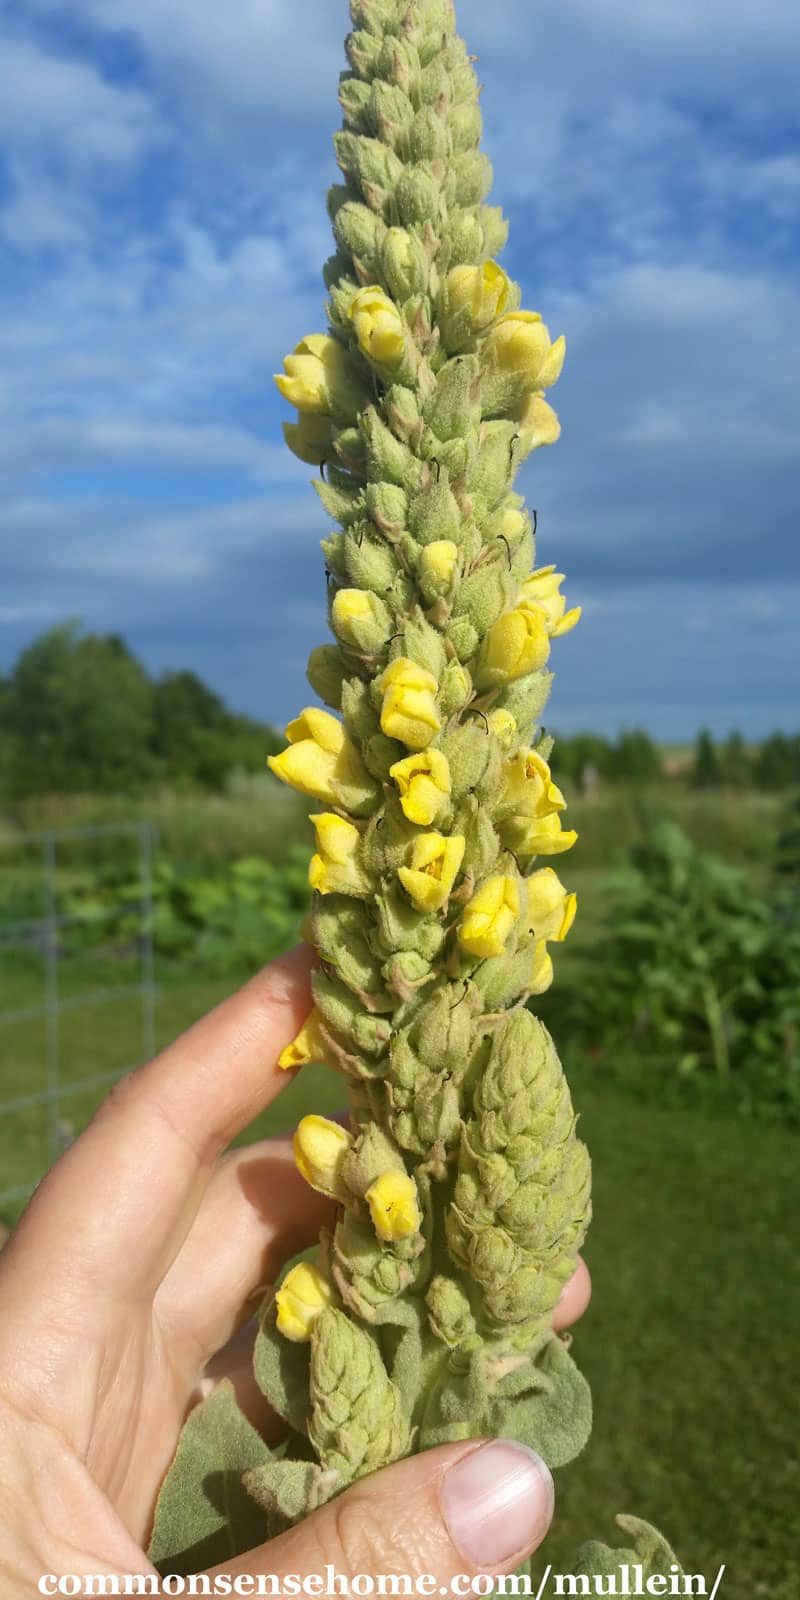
435, 865
394, 1206
529, 790
301, 1300
409, 704
309, 438
520, 344
320, 1147
334, 870
481, 293
317, 374
544, 836
503, 726
438, 562
541, 592
538, 423
489, 919
378, 325
516, 644
551, 911
307, 1046
361, 619
321, 760
541, 970
424, 784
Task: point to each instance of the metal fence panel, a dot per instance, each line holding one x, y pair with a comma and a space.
46, 933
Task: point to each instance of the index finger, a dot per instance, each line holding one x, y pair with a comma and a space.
119, 1203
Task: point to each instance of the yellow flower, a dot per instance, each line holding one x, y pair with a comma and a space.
309, 438
438, 562
541, 592
435, 865
516, 644
320, 1147
301, 1300
307, 1046
361, 619
394, 1206
321, 760
482, 292
503, 726
409, 704
489, 918
529, 790
542, 970
333, 870
316, 370
538, 423
520, 344
378, 325
424, 784
544, 836
551, 910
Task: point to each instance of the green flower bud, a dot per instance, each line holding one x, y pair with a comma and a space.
356, 1424
359, 234
454, 410
326, 673
417, 197
455, 689
450, 1312
521, 1203
369, 562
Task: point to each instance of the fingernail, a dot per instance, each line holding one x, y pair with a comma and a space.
498, 1503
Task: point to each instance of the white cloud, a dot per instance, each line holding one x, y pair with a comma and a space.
64, 108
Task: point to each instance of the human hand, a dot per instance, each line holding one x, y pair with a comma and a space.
125, 1293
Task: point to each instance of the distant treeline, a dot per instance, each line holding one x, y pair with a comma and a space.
79, 714
635, 758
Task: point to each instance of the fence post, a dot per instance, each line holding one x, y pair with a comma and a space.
52, 1020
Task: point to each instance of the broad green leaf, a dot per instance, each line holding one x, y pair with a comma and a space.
204, 1515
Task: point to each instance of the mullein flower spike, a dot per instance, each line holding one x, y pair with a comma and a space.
463, 1190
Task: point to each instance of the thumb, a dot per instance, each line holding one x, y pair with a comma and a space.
462, 1509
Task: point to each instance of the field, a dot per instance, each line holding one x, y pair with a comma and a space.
689, 1343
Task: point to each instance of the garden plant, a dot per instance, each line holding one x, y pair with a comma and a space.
463, 1189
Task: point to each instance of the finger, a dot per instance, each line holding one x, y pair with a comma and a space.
121, 1200
256, 1213
461, 1509
575, 1297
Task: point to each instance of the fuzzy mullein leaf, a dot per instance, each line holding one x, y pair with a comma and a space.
203, 1515
548, 1406
650, 1550
357, 1422
281, 1369
287, 1490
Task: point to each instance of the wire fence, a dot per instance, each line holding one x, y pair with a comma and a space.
44, 936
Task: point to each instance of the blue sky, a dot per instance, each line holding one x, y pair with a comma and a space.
163, 166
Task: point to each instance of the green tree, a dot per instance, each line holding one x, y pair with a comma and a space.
735, 762
778, 764
636, 758
79, 710
706, 773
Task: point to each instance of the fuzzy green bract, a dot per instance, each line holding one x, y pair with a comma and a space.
463, 1188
